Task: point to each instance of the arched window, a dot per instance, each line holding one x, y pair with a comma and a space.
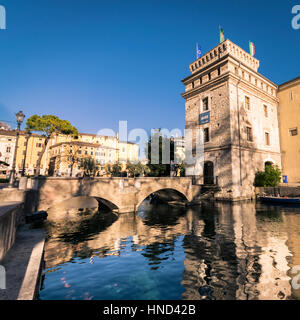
268, 163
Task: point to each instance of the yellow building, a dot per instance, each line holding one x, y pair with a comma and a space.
65, 157
58, 158
65, 153
289, 125
28, 150
128, 151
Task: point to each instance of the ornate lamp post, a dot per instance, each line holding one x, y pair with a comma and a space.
20, 118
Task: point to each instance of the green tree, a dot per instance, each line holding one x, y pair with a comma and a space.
49, 126
270, 177
71, 155
160, 169
137, 169
114, 169
89, 166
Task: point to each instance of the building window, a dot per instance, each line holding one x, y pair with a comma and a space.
209, 76
205, 104
8, 149
267, 138
206, 134
219, 71
293, 131
266, 111
249, 134
247, 103
38, 145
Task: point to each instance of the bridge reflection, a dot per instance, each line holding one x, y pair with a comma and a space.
231, 251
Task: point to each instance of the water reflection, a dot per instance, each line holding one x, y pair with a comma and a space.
213, 251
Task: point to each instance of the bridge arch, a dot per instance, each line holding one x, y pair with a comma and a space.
118, 194
75, 202
166, 194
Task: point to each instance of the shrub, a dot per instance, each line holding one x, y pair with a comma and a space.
270, 177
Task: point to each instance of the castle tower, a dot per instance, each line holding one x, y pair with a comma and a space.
236, 107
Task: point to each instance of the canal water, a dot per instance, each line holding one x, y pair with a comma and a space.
215, 251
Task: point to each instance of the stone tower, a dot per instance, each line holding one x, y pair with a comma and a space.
236, 107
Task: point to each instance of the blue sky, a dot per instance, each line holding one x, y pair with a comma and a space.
96, 62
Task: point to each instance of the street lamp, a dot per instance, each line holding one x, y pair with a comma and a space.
20, 118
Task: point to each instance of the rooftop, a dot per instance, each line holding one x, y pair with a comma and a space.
223, 49
289, 83
81, 144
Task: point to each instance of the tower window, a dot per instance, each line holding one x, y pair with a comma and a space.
206, 134
267, 138
247, 103
266, 111
205, 104
249, 134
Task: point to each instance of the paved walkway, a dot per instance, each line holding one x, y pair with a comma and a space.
23, 264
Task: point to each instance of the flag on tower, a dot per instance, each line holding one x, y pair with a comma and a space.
252, 48
222, 35
199, 52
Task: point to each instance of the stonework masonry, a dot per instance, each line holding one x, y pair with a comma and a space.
241, 134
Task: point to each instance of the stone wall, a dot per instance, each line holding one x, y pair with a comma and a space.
282, 191
11, 217
125, 194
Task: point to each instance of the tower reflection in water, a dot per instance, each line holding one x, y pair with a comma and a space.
212, 251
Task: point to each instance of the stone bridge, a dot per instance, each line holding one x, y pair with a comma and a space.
119, 194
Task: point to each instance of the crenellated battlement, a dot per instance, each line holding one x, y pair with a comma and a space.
225, 48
